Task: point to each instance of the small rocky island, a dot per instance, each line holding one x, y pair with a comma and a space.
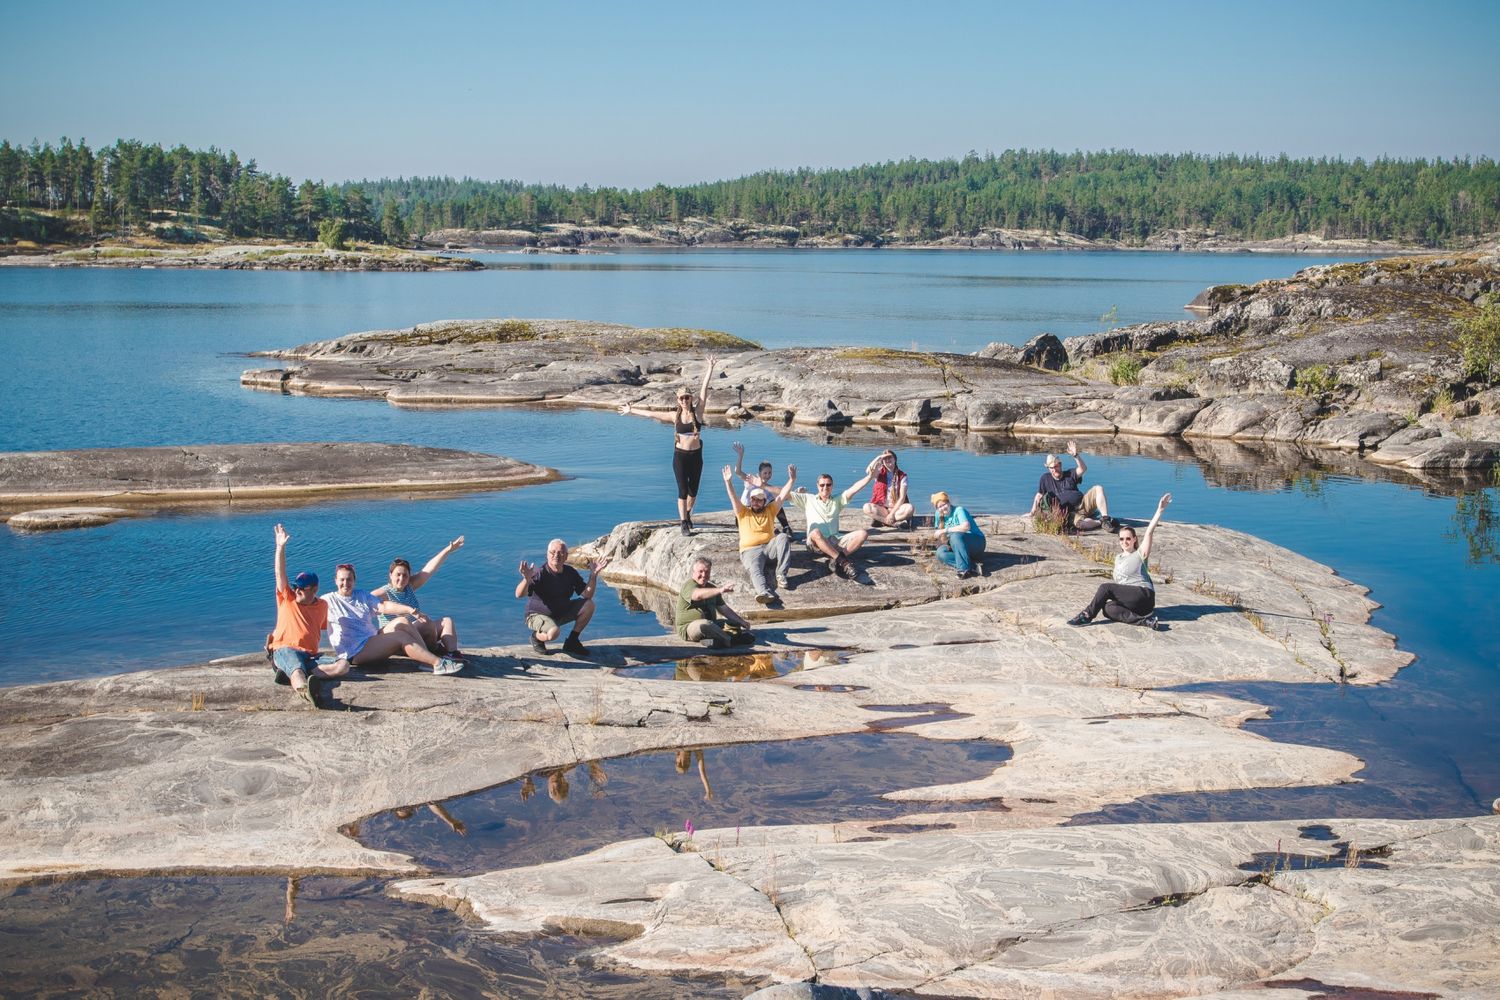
74, 484
1359, 358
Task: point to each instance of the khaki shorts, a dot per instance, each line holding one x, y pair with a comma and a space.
546, 623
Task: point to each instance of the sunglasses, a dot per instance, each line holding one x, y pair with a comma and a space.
344, 566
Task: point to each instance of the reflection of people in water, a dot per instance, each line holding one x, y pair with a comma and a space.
684, 758
758, 666
597, 779
440, 811
528, 788
557, 786
291, 898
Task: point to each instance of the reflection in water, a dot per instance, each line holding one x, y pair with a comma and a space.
821, 780
1474, 525
752, 667
235, 936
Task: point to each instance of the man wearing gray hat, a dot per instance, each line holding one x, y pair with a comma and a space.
1060, 495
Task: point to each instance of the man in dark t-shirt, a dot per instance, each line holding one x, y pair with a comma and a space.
1061, 495
557, 594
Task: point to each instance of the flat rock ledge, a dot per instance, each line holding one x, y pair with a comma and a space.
1352, 358
1245, 910
214, 768
235, 472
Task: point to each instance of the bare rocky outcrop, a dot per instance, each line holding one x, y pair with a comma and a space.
226, 473
1345, 357
1167, 910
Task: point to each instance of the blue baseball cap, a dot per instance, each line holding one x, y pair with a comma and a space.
304, 579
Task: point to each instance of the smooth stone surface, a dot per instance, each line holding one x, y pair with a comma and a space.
56, 518
1099, 912
230, 472
122, 774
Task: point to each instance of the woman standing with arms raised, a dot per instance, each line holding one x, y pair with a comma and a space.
687, 444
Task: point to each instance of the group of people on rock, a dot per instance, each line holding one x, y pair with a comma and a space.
368, 626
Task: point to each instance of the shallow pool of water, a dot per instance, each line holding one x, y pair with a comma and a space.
559, 813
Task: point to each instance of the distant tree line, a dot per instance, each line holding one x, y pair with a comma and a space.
1116, 195
1124, 196
126, 185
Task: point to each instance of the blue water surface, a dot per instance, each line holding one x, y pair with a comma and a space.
99, 358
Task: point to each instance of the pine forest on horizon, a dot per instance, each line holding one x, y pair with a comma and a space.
1118, 195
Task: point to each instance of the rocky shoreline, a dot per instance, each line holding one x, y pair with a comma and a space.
741, 234
1359, 358
244, 257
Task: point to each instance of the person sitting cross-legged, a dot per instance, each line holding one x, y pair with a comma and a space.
823, 510
759, 541
702, 615
356, 637
556, 594
960, 542
889, 505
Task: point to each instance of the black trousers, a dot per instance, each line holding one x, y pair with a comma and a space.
1121, 603
687, 466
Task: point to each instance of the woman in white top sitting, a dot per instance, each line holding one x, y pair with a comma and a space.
1131, 596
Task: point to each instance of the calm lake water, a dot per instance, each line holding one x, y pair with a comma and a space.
101, 358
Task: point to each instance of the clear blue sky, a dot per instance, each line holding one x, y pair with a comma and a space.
634, 93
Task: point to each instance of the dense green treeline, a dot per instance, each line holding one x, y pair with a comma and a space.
129, 184
1114, 195
1117, 195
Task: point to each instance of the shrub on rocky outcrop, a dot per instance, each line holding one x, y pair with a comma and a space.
1479, 340
1125, 371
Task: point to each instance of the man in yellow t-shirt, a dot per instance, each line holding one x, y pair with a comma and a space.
759, 542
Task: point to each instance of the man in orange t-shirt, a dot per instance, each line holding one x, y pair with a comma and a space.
300, 621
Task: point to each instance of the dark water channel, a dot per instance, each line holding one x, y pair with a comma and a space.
259, 936
555, 814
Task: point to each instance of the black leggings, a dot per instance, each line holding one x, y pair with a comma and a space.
1121, 603
687, 466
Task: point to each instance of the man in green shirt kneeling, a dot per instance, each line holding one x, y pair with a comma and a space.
702, 615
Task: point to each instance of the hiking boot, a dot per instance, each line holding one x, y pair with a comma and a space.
445, 666
1151, 622
1079, 619
573, 646
539, 647
764, 597
1109, 524
843, 567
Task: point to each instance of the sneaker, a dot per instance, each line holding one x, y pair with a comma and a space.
1079, 619
445, 666
1109, 524
685, 527
573, 646
1151, 622
843, 567
968, 574
764, 597
782, 583
458, 655
539, 647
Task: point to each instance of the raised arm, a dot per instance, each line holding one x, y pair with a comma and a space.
523, 589
1077, 458
734, 498
665, 417
739, 466
281, 539
786, 489
595, 568
700, 405
859, 484
436, 561
1161, 505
